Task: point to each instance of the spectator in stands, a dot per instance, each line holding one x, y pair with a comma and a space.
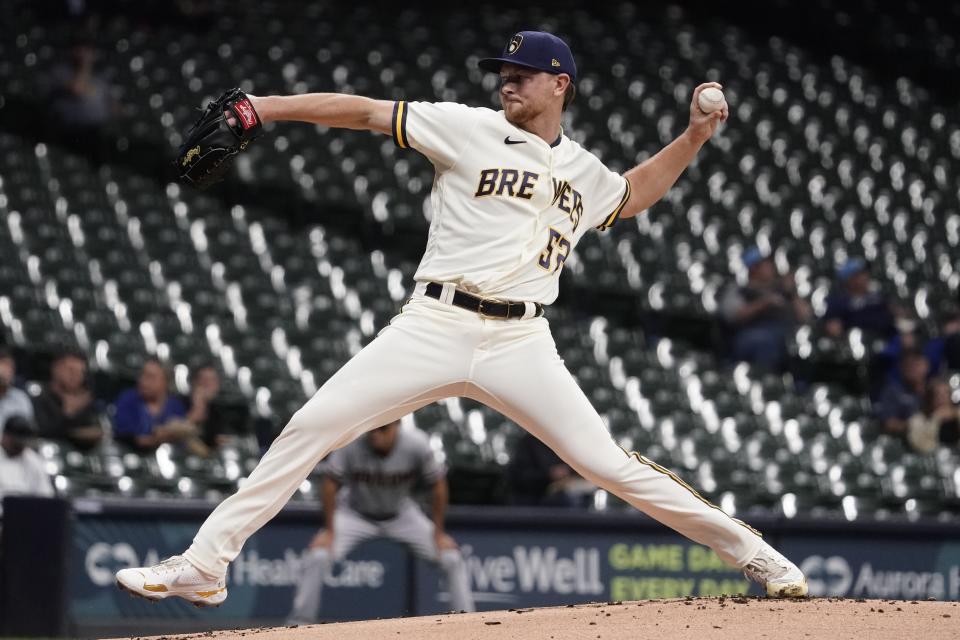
216, 421
943, 352
859, 303
539, 477
13, 401
762, 313
80, 100
148, 415
938, 422
65, 408
21, 468
903, 397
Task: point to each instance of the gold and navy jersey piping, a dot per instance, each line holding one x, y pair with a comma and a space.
670, 474
399, 124
615, 215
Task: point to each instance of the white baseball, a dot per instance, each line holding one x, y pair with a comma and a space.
710, 100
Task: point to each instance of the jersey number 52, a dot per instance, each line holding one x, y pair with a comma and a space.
557, 250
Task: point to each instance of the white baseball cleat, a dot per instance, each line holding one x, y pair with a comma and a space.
174, 577
780, 577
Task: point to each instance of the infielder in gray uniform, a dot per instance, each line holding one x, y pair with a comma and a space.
366, 495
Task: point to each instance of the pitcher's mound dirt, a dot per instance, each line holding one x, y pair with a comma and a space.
733, 618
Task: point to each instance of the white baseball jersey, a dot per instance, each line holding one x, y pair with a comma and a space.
508, 208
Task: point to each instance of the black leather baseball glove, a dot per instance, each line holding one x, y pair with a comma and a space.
212, 143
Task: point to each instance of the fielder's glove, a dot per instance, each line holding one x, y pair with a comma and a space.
212, 143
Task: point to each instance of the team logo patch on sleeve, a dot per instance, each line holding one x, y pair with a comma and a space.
515, 43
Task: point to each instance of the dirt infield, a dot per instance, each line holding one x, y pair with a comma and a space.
699, 618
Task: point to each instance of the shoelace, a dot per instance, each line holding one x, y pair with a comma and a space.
170, 565
763, 564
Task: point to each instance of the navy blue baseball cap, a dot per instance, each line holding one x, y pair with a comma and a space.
535, 49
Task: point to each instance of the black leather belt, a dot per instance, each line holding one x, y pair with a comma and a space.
503, 310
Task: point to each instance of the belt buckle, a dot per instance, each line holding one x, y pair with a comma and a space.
484, 314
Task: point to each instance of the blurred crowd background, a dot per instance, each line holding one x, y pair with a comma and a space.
783, 329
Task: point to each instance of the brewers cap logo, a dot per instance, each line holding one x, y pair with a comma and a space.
515, 43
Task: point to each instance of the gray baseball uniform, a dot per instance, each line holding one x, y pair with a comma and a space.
377, 486
375, 502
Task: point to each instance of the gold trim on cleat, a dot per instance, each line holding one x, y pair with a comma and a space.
155, 588
207, 594
136, 594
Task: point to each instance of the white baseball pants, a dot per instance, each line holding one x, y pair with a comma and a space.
410, 527
432, 351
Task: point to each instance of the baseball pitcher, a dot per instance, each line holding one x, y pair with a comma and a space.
512, 196
367, 494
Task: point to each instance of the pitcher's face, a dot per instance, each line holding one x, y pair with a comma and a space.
526, 93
